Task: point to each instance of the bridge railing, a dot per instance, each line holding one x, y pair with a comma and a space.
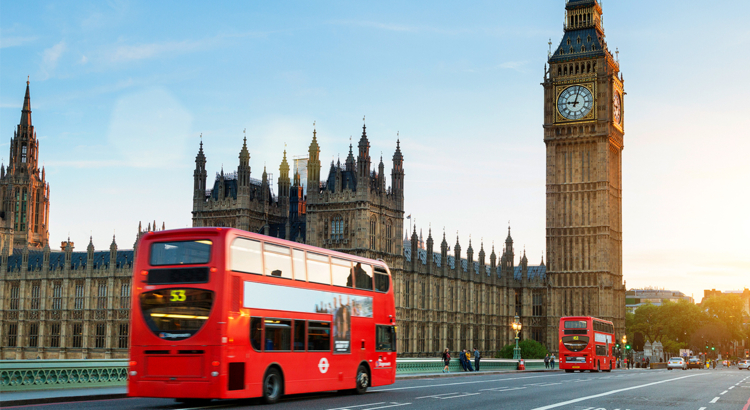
20, 375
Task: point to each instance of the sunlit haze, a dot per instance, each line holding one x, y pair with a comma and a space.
121, 92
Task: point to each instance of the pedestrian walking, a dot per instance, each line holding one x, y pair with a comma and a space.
468, 361
462, 359
446, 360
552, 361
477, 358
546, 361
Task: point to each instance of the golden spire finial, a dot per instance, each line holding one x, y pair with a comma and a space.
27, 79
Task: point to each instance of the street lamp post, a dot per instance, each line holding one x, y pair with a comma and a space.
623, 356
517, 327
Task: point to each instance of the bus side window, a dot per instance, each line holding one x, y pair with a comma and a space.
318, 268
256, 333
245, 256
318, 336
342, 270
382, 284
278, 334
362, 276
298, 259
385, 338
278, 263
299, 335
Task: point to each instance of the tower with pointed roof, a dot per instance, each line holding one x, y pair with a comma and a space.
353, 210
24, 189
583, 132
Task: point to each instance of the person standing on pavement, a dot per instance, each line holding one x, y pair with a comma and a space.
468, 361
446, 360
552, 361
477, 358
546, 361
462, 358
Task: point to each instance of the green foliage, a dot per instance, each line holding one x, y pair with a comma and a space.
530, 349
684, 325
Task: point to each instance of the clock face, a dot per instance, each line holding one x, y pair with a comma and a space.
575, 102
617, 108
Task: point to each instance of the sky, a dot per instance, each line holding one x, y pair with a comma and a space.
121, 92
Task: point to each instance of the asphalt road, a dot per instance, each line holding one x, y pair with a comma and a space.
721, 389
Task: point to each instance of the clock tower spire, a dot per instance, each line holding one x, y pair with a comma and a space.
583, 133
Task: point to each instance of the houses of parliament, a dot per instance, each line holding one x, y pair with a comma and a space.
67, 304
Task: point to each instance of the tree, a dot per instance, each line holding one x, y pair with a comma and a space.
530, 349
727, 309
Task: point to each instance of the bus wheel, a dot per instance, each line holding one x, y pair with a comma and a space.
363, 380
272, 386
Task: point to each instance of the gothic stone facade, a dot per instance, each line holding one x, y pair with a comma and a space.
65, 304
583, 132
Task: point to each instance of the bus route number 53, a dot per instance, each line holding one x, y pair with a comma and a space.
177, 296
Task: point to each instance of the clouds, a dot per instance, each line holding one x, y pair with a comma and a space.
125, 53
50, 57
149, 129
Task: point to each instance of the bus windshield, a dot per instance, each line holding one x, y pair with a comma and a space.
180, 253
575, 324
176, 314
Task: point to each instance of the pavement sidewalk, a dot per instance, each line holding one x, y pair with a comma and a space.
25, 398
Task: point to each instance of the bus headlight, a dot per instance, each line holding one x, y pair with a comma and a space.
133, 373
214, 374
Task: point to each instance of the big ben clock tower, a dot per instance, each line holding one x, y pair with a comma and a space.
584, 125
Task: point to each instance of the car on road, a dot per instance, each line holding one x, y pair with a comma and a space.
677, 363
743, 364
694, 363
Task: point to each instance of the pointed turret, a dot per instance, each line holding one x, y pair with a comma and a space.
493, 258
481, 253
284, 182
350, 163
243, 170
470, 253
199, 179
397, 174
26, 111
363, 159
457, 253
381, 175
313, 166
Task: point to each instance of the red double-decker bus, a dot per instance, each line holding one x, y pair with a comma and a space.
586, 343
220, 313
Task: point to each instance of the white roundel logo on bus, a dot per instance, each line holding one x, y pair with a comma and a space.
323, 365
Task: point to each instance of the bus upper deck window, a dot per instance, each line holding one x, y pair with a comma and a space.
362, 276
382, 282
277, 261
318, 268
342, 272
245, 256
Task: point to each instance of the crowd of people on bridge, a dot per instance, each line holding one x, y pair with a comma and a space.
464, 357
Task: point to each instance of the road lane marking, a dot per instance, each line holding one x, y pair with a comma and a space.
702, 408
714, 400
565, 403
732, 387
502, 389
459, 383
357, 405
448, 395
723, 393
393, 404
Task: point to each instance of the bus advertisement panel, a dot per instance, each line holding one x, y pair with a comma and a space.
220, 313
586, 343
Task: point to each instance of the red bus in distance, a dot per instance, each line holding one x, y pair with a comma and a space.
221, 313
586, 343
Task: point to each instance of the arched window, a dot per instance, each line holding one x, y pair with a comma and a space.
389, 236
337, 228
373, 226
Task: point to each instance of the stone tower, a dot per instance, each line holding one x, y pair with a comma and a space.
353, 211
583, 133
23, 186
